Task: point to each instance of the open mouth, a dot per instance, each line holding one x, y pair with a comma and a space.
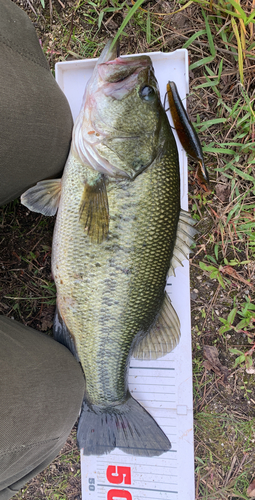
113, 69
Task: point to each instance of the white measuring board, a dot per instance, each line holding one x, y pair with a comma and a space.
164, 386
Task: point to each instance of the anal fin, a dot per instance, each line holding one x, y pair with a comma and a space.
163, 336
43, 198
184, 240
94, 211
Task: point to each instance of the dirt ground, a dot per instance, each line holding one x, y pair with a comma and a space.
224, 399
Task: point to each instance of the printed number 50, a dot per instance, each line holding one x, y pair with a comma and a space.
116, 475
116, 494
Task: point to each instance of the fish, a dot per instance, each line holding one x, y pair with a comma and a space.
186, 132
119, 232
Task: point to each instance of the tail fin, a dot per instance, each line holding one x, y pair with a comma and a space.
128, 427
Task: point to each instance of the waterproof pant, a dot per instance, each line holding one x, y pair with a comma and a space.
41, 384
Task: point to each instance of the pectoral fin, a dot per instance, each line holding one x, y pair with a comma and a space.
163, 336
44, 197
185, 130
94, 211
184, 239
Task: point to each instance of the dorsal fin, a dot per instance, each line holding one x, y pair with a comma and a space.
184, 239
163, 336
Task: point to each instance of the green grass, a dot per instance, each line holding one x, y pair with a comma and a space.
224, 448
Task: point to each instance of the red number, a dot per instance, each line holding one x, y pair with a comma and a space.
117, 474
116, 494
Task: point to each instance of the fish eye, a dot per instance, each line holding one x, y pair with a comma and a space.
147, 93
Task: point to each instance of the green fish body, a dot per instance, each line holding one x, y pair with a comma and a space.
118, 230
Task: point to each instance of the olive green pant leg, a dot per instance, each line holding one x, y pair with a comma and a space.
35, 118
41, 384
14, 488
41, 391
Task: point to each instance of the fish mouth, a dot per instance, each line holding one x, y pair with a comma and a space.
121, 69
113, 69
109, 53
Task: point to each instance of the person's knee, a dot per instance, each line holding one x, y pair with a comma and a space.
42, 387
36, 121
40, 379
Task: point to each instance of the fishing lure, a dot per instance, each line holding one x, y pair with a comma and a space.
185, 131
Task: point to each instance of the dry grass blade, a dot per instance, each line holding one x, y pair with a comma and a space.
162, 14
240, 49
251, 23
61, 3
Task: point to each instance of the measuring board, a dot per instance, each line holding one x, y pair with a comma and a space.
164, 386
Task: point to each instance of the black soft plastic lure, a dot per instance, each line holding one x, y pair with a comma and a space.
185, 130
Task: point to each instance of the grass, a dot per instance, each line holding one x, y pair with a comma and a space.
220, 460
220, 39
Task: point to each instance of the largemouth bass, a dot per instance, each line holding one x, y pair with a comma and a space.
119, 229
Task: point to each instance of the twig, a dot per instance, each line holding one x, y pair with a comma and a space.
37, 243
31, 7
36, 316
241, 464
211, 303
34, 228
233, 124
207, 485
50, 4
197, 484
62, 5
71, 30
202, 249
230, 470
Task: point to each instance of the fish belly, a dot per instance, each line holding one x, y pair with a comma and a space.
110, 293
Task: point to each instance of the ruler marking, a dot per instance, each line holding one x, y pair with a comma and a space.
149, 385
128, 464
154, 392
138, 489
150, 368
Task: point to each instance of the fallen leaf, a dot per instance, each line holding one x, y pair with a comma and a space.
213, 212
16, 256
46, 318
223, 192
213, 363
251, 489
232, 272
46, 324
250, 370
